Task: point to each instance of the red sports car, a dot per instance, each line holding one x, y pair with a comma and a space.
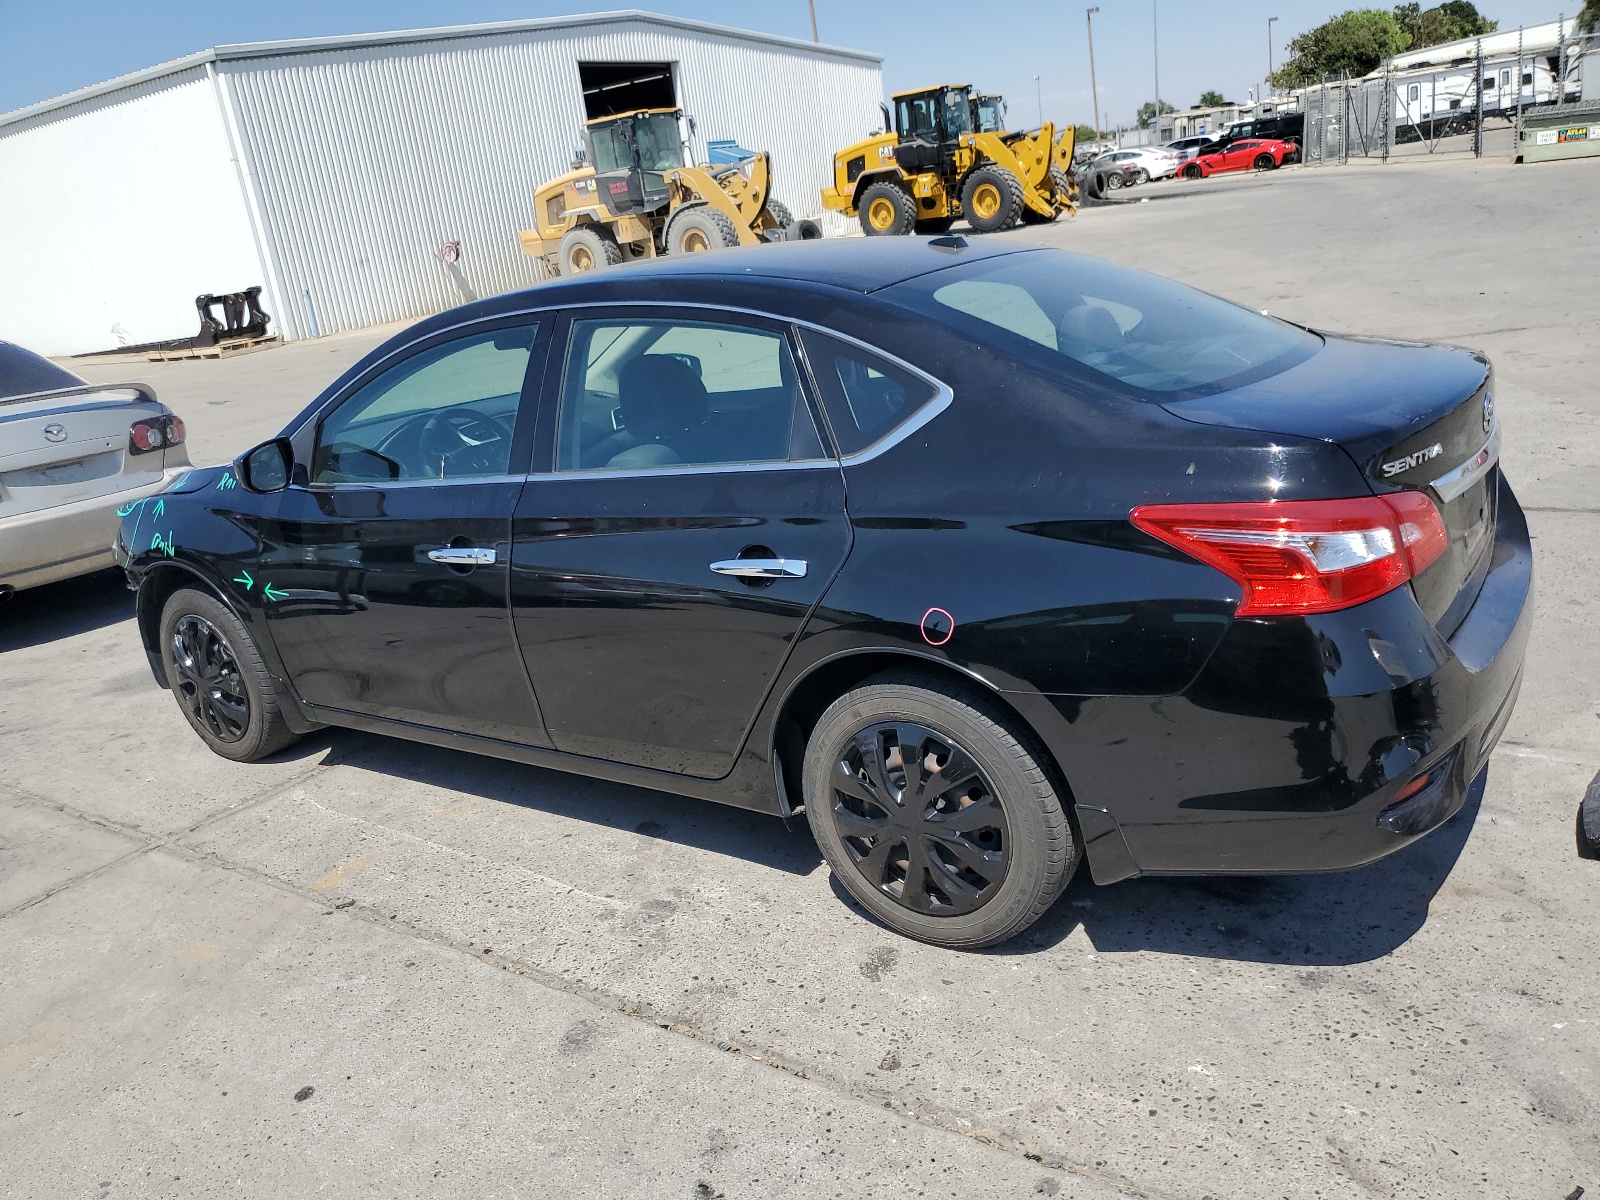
1258, 153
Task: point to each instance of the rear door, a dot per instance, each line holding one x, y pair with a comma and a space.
665, 566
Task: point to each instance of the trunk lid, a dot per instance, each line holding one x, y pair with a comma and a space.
1413, 418
58, 448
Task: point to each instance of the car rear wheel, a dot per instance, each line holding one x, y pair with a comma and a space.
934, 813
1265, 162
1141, 176
217, 675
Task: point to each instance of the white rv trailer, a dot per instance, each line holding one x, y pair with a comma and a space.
1520, 66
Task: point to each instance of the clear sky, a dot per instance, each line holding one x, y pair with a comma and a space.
48, 47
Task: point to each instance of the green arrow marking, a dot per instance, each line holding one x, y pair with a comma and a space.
244, 578
128, 508
272, 593
161, 507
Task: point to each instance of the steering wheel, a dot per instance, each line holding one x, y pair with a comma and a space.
464, 440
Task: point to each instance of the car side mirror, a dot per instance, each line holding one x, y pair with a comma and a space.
267, 467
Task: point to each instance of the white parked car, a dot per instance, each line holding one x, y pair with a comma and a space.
72, 455
1146, 162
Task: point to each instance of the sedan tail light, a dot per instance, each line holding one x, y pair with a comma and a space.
1299, 557
154, 433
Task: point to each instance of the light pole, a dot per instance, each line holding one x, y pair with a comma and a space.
1094, 88
1155, 50
1270, 20
814, 36
1038, 95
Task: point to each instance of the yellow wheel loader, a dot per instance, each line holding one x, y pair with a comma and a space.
939, 162
635, 197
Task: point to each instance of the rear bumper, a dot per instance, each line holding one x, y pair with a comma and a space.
1284, 753
69, 539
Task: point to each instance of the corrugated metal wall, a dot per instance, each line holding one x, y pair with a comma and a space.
115, 214
368, 159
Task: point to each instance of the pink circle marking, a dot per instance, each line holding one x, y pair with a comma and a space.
948, 635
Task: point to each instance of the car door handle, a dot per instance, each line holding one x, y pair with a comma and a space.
463, 556
761, 568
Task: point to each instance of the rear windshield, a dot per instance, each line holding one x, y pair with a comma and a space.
22, 372
1156, 338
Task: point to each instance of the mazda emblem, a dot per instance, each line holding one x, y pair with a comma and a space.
55, 433
1488, 411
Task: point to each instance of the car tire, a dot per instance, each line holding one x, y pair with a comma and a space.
886, 211
1192, 172
697, 229
1113, 180
1265, 162
217, 675
586, 248
991, 199
1014, 869
1141, 176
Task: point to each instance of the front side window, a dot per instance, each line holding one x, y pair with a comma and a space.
642, 393
866, 398
919, 119
957, 112
446, 412
1149, 334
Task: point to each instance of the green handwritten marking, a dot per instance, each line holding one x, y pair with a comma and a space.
272, 593
128, 508
244, 578
163, 544
161, 507
226, 481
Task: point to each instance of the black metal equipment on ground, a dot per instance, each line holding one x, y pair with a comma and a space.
242, 317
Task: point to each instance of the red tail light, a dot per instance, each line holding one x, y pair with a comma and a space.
153, 433
1306, 556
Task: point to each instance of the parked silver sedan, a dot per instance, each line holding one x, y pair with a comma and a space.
73, 457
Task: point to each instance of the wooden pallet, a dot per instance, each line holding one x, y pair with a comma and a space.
225, 349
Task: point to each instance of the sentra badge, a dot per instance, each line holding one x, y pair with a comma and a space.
1415, 459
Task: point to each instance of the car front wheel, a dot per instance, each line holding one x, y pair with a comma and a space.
1191, 172
216, 673
934, 813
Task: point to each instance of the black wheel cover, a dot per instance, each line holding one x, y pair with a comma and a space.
209, 683
918, 818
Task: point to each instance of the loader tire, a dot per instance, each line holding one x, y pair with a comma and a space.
587, 249
992, 199
886, 211
803, 230
1066, 189
780, 213
694, 230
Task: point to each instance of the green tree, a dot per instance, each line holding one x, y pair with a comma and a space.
1213, 98
1084, 134
1589, 18
1352, 43
1147, 112
1447, 22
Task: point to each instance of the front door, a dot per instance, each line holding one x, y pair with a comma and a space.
383, 568
664, 568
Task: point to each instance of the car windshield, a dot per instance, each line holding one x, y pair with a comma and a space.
1153, 336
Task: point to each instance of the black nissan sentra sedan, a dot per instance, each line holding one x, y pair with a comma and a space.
990, 558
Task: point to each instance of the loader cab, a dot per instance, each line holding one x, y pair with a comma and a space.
930, 124
630, 153
988, 114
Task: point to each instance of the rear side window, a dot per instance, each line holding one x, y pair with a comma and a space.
866, 398
1155, 337
22, 372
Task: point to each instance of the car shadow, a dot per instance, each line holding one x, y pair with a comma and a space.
698, 824
1335, 919
60, 610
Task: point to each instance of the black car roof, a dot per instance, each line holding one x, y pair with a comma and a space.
853, 264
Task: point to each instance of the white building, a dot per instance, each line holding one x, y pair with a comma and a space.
333, 172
